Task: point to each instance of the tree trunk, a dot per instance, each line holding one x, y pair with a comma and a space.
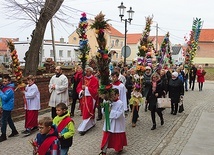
32, 55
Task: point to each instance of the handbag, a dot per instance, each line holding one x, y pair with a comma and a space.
181, 106
163, 102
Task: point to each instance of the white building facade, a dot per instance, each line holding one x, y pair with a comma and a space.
178, 54
64, 53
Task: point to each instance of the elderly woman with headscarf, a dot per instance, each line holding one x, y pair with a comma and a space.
176, 91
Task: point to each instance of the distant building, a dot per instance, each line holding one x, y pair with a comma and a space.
205, 52
115, 42
65, 53
4, 51
177, 54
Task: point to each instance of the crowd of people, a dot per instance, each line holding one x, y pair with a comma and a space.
130, 91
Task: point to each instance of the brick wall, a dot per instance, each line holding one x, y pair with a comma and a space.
42, 82
205, 50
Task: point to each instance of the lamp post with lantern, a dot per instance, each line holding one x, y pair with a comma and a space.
130, 12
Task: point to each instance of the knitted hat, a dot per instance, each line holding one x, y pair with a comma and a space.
175, 74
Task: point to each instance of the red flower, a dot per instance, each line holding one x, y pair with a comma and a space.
83, 14
109, 86
105, 56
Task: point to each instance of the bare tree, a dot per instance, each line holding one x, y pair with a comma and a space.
40, 12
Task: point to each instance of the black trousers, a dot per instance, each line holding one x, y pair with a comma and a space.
159, 112
200, 85
53, 112
73, 105
99, 109
135, 111
174, 107
191, 82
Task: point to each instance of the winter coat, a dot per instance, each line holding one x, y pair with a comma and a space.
151, 98
55, 148
176, 89
7, 97
67, 132
200, 75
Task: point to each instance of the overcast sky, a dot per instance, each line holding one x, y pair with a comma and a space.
175, 16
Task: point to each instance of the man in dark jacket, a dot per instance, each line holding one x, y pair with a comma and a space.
192, 76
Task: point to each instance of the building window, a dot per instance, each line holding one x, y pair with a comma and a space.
60, 53
116, 54
51, 53
75, 38
69, 53
116, 42
43, 52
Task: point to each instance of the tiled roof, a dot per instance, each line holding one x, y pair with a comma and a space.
3, 43
207, 35
176, 49
135, 38
113, 32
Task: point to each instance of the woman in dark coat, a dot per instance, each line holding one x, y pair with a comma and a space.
176, 91
75, 80
156, 91
146, 83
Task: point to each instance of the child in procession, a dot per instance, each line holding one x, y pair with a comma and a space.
65, 127
32, 105
115, 137
46, 141
135, 102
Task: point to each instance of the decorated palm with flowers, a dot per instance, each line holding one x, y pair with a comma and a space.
193, 41
103, 58
146, 54
144, 41
164, 55
83, 43
16, 65
17, 69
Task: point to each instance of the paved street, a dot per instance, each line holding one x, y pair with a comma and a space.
169, 139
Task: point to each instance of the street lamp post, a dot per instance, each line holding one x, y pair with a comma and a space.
130, 17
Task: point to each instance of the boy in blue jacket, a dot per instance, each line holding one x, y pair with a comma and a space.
7, 97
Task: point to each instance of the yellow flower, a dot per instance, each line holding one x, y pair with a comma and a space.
80, 56
96, 31
138, 68
98, 55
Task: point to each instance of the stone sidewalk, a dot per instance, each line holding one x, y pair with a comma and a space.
169, 139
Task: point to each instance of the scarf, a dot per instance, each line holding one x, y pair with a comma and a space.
154, 85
